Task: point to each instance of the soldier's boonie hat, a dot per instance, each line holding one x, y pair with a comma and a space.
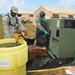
14, 9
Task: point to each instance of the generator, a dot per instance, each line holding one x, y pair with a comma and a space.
62, 37
60, 46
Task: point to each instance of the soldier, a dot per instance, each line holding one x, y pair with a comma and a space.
23, 20
11, 23
41, 30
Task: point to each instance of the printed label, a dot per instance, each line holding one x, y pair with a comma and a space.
70, 70
4, 63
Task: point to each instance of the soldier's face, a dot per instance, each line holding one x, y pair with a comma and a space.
13, 14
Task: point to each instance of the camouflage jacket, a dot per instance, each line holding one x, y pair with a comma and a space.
9, 30
38, 23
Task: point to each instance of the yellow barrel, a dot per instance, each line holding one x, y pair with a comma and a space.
13, 59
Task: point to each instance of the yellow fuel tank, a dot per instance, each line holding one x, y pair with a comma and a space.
13, 59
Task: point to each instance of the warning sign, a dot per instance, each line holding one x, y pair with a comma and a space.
70, 70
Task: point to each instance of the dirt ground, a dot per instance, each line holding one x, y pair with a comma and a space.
31, 30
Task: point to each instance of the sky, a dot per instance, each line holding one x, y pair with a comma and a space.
32, 5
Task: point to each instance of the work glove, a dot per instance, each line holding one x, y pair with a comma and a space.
46, 32
44, 20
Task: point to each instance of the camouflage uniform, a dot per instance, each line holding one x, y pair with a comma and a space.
9, 30
41, 38
38, 24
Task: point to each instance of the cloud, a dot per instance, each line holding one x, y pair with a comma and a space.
2, 3
33, 5
66, 3
6, 5
19, 3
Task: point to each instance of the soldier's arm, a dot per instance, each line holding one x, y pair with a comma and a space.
6, 27
39, 24
21, 26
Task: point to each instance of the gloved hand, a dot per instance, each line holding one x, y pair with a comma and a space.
45, 31
44, 20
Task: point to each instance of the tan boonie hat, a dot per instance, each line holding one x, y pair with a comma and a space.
14, 9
